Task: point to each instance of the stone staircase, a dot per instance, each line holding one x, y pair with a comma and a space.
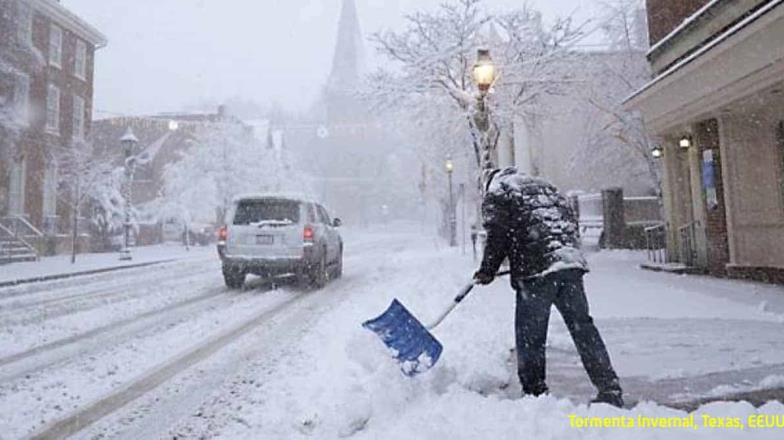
15, 249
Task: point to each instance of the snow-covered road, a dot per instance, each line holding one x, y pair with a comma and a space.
73, 351
167, 352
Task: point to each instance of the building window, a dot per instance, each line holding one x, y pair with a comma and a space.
53, 109
78, 117
16, 191
22, 99
50, 191
80, 60
24, 30
56, 46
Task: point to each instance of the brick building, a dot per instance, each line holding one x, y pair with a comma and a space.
716, 103
46, 93
161, 137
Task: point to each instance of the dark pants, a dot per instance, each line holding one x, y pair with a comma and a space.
534, 301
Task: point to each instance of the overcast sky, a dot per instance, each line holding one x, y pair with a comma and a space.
167, 54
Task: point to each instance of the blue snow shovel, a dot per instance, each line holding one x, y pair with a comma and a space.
410, 341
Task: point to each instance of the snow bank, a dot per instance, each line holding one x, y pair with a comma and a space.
343, 382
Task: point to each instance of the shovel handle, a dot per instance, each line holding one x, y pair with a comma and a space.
458, 299
452, 306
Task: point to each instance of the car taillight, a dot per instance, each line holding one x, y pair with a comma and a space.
223, 233
307, 234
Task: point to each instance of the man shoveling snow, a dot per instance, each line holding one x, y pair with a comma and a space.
531, 224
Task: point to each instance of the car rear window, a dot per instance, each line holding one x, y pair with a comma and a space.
271, 210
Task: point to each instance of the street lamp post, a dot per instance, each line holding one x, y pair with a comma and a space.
128, 142
450, 168
484, 74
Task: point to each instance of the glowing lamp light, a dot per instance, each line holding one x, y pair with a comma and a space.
173, 125
449, 165
484, 70
657, 152
685, 142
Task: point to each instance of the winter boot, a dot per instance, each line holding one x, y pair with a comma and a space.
535, 390
613, 398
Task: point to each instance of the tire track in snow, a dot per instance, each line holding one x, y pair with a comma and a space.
88, 415
44, 355
83, 304
117, 287
151, 416
91, 294
75, 282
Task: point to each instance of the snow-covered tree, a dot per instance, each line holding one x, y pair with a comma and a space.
88, 181
434, 55
619, 137
224, 160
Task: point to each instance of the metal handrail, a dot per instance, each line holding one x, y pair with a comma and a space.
688, 253
16, 220
656, 243
21, 240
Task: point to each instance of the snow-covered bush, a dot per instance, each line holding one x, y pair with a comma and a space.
86, 181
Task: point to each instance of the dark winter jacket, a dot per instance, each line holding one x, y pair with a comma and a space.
530, 223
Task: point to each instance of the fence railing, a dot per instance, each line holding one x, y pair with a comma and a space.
656, 243
6, 250
643, 211
688, 251
20, 227
591, 209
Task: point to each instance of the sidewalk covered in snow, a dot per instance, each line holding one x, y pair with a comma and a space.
60, 266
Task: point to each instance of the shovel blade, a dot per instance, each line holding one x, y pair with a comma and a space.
412, 344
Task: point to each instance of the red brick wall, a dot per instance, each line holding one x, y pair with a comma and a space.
666, 15
716, 220
37, 143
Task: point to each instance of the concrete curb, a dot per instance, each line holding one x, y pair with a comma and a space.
61, 276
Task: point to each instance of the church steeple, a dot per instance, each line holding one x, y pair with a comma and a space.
348, 61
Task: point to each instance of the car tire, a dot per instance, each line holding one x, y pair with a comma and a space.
319, 275
303, 279
339, 265
234, 278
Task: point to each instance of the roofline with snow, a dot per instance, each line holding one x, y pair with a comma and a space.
71, 21
689, 22
629, 101
698, 29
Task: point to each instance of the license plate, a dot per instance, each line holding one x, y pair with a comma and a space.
265, 239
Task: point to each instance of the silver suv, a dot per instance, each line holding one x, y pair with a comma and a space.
271, 235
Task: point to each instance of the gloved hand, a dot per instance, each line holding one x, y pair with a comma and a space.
483, 278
